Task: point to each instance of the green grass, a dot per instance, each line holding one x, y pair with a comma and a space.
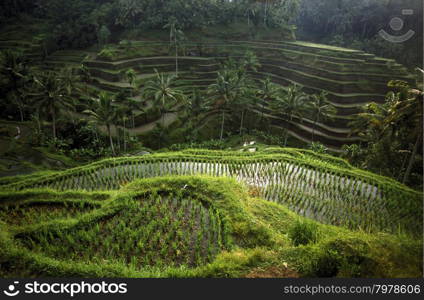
320, 187
206, 227
153, 230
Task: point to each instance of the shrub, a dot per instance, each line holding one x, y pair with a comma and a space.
328, 264
344, 258
106, 54
302, 233
318, 148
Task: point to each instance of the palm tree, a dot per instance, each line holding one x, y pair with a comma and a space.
266, 4
13, 67
163, 93
19, 101
224, 91
175, 37
130, 76
372, 122
244, 96
267, 93
104, 112
292, 103
51, 94
14, 79
85, 75
134, 106
386, 128
122, 112
129, 106
196, 104
407, 110
250, 61
320, 109
266, 12
68, 79
244, 101
251, 10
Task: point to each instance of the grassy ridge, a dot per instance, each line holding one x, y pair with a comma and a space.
318, 186
256, 235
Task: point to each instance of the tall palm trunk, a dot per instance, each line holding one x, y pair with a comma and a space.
176, 56
263, 111
286, 137
125, 137
38, 121
110, 139
222, 125
21, 113
96, 135
266, 12
412, 159
163, 117
241, 123
118, 138
313, 128
53, 122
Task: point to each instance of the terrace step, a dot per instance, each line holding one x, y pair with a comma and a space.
352, 78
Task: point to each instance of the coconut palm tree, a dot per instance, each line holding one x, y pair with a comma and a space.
267, 93
407, 111
388, 128
130, 76
163, 92
320, 109
372, 122
135, 108
245, 101
85, 75
266, 4
51, 94
196, 104
224, 91
104, 112
175, 37
251, 10
13, 67
250, 62
15, 76
291, 103
68, 78
131, 106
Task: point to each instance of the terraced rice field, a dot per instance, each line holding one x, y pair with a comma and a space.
149, 226
201, 213
352, 78
332, 192
167, 230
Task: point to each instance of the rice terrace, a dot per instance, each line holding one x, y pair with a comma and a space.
210, 138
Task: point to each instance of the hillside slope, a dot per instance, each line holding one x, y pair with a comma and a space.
178, 223
352, 78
